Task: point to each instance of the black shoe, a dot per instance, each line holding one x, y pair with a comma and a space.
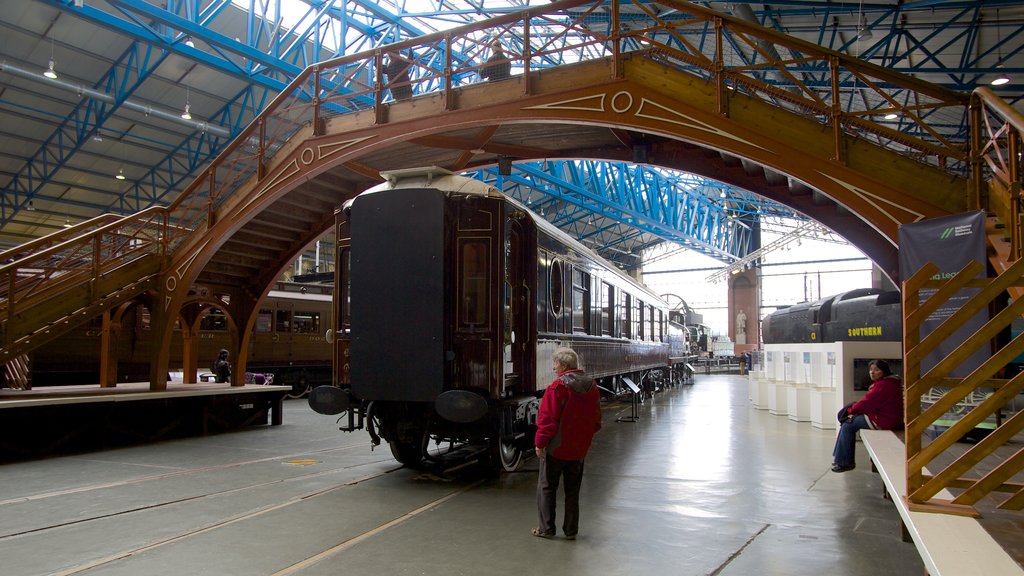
838, 468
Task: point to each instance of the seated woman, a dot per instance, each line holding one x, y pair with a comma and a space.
880, 409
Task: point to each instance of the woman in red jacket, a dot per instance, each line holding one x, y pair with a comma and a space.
570, 415
880, 409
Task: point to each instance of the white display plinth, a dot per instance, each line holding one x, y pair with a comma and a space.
823, 408
798, 402
753, 390
778, 398
764, 393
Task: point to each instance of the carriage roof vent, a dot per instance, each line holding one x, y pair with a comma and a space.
433, 177
429, 173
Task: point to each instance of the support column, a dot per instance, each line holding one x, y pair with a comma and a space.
744, 319
108, 350
190, 351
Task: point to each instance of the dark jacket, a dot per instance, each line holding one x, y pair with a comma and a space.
570, 415
883, 404
222, 369
497, 67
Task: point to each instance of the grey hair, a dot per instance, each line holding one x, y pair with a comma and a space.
567, 358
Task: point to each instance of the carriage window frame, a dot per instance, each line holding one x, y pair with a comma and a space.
264, 321
282, 320
638, 320
607, 309
306, 322
581, 301
627, 315
474, 282
556, 287
346, 287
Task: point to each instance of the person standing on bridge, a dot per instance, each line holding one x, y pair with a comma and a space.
221, 367
498, 66
880, 409
396, 69
570, 415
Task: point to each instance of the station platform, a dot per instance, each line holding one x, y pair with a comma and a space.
54, 420
701, 484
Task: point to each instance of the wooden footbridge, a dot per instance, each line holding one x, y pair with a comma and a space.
799, 129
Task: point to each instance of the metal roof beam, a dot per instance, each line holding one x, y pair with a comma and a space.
646, 198
134, 66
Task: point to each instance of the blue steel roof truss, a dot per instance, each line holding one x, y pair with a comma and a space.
570, 193
270, 55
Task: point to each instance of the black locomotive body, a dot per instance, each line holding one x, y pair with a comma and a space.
866, 314
450, 300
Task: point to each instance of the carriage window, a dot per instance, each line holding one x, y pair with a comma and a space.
284, 321
607, 308
264, 320
473, 308
650, 322
627, 315
213, 320
555, 288
307, 322
346, 288
638, 321
580, 301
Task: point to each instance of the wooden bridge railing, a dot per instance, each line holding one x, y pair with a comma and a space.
979, 397
996, 130
729, 53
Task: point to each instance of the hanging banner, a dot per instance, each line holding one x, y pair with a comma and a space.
949, 243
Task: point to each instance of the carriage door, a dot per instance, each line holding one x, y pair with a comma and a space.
340, 330
515, 299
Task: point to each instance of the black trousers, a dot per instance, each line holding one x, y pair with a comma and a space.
552, 470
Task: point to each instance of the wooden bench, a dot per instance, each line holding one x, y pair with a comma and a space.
949, 545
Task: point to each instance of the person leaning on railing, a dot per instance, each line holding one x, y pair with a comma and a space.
498, 66
880, 409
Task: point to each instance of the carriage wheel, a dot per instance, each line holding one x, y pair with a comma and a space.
298, 390
509, 455
504, 449
410, 453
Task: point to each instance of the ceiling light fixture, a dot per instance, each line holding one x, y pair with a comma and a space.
891, 116
50, 72
67, 223
120, 174
863, 33
1001, 78
186, 115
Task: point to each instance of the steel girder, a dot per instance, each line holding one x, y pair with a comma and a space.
127, 74
592, 200
273, 50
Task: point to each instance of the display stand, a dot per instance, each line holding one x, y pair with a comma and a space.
633, 412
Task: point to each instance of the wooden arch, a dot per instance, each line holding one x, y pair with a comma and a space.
869, 192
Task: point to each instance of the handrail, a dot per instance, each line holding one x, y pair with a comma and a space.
732, 55
304, 102
996, 130
978, 397
31, 246
117, 223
